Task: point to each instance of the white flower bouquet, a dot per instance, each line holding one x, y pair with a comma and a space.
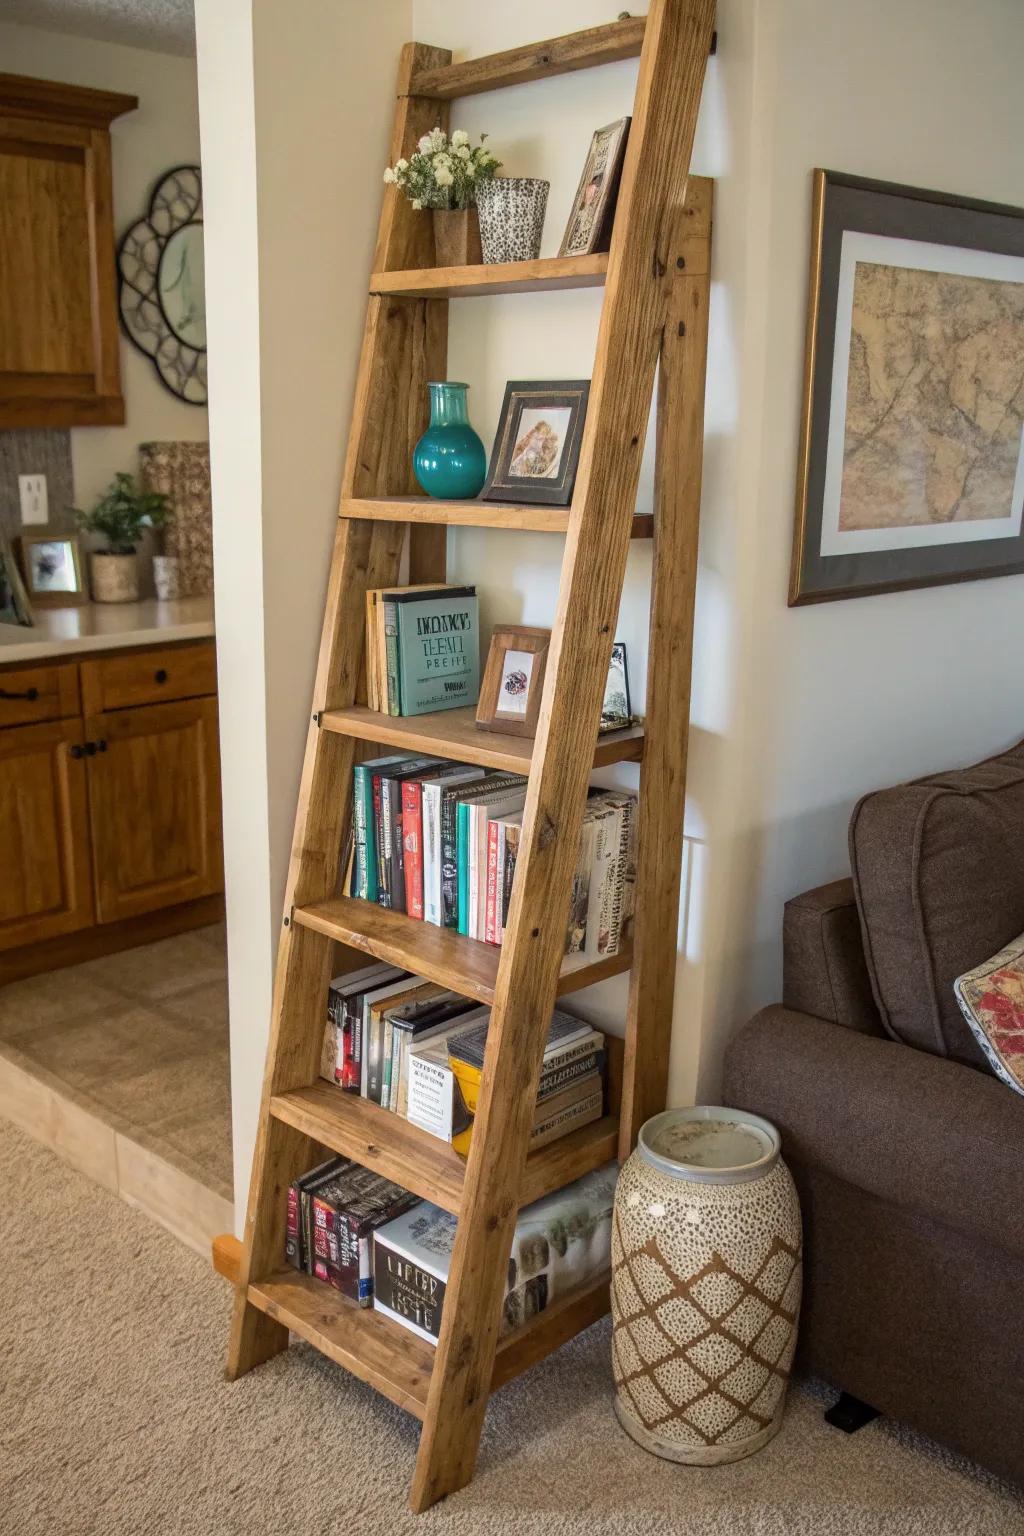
444, 173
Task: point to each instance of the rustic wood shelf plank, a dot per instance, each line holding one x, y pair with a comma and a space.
439, 954
393, 1359
482, 280
535, 61
371, 1346
453, 733
474, 514
397, 1149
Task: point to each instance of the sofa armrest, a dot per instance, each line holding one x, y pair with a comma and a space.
913, 1129
824, 970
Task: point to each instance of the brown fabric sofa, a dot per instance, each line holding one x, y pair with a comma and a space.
907, 1152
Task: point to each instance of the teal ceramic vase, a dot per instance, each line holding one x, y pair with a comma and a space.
449, 460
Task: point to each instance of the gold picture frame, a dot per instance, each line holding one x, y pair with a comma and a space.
51, 564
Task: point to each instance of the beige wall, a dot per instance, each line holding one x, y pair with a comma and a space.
296, 105
794, 713
164, 132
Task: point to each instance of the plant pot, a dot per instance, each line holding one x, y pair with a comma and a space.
511, 210
114, 578
457, 237
167, 577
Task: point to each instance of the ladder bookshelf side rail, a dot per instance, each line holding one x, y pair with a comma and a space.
400, 343
660, 812
677, 39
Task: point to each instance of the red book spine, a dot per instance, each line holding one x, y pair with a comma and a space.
412, 842
492, 883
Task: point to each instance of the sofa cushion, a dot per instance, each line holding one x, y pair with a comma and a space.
823, 968
991, 998
938, 869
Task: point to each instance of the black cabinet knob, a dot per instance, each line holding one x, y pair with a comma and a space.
160, 676
76, 751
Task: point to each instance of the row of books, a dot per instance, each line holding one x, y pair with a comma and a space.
422, 648
417, 1049
439, 840
382, 1247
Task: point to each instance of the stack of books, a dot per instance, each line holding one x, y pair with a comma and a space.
560, 1243
445, 1074
439, 840
333, 1211
422, 648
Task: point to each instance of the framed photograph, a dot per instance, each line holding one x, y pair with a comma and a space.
616, 711
911, 466
593, 208
14, 604
52, 563
513, 680
537, 447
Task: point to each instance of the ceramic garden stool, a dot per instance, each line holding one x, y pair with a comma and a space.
706, 1277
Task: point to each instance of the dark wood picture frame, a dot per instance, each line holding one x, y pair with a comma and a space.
490, 716
599, 229
844, 204
40, 597
522, 395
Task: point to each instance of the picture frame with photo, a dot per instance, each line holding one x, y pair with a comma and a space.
617, 708
14, 603
513, 680
51, 562
589, 226
537, 446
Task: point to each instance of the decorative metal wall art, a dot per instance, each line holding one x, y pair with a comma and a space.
162, 297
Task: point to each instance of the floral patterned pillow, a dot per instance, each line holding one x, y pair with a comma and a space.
991, 998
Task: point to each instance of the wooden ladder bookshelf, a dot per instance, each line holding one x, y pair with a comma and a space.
655, 304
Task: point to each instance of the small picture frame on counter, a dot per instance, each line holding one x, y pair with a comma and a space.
513, 681
14, 603
52, 565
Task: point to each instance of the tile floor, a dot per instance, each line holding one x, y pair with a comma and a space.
121, 1065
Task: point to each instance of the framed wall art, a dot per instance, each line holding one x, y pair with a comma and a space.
162, 295
513, 680
911, 465
537, 446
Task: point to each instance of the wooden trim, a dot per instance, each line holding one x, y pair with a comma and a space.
109, 938
474, 514
546, 274
226, 1256
26, 96
680, 439
535, 61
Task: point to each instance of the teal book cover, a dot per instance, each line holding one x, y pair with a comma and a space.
462, 865
364, 874
438, 645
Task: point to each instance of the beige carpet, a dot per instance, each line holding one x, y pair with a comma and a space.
115, 1420
140, 1040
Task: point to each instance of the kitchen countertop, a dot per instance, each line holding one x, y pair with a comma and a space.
106, 627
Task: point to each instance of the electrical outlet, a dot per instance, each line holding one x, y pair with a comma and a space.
34, 504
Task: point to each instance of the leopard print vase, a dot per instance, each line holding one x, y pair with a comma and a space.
706, 1278
511, 211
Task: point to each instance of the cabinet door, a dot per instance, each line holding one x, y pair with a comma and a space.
59, 364
154, 806
45, 885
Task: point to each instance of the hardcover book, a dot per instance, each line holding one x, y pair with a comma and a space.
560, 1242
437, 646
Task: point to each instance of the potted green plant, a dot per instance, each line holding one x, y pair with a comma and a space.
443, 175
119, 516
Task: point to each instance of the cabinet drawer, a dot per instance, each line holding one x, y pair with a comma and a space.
149, 677
30, 695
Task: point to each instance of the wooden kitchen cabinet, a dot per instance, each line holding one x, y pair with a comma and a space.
46, 886
154, 807
110, 815
59, 362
